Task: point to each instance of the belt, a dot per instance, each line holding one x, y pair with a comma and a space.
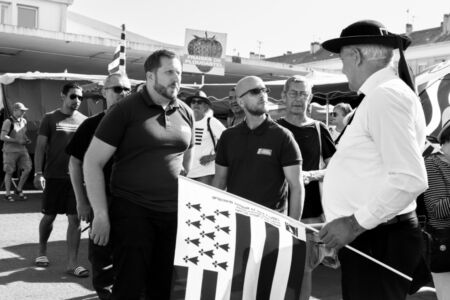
401, 218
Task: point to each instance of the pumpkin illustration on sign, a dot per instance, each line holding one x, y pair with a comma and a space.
205, 46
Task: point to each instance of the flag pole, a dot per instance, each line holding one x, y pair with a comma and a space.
312, 228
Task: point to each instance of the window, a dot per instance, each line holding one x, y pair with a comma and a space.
4, 13
27, 16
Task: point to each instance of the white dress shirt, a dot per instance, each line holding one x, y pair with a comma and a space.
378, 170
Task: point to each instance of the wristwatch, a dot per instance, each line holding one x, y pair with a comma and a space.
37, 173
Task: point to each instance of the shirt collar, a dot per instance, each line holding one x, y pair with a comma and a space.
258, 130
376, 79
149, 101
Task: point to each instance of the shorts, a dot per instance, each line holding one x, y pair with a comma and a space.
20, 159
59, 197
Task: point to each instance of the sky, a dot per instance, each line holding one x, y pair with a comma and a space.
267, 27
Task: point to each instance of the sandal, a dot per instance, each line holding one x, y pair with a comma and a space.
42, 261
9, 198
80, 272
21, 195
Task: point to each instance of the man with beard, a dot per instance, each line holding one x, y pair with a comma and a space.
56, 129
115, 88
236, 114
257, 157
150, 133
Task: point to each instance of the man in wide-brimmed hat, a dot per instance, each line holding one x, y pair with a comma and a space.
207, 131
376, 174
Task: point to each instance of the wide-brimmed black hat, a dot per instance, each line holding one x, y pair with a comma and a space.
369, 32
366, 32
198, 95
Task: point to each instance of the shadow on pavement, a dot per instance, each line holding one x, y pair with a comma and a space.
20, 266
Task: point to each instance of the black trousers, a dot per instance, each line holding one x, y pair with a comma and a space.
144, 248
102, 269
398, 245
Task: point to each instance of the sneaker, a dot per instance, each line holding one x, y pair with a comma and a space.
9, 198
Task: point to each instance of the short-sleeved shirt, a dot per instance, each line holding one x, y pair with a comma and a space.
59, 129
204, 145
150, 142
255, 160
307, 138
80, 141
19, 131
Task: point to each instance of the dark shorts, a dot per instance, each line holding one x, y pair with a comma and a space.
59, 197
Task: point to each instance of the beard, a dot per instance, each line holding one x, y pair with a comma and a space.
256, 111
164, 90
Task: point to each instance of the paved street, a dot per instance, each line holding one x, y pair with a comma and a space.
20, 279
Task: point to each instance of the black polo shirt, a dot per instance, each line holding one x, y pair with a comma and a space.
255, 160
81, 140
150, 144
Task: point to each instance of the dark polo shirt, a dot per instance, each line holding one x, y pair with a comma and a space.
150, 143
255, 160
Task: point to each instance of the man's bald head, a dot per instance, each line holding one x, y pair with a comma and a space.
248, 83
116, 87
117, 79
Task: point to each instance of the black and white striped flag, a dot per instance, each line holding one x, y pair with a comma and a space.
119, 59
230, 248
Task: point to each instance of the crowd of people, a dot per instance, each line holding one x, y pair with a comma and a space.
118, 170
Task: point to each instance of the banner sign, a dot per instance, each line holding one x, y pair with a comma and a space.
204, 52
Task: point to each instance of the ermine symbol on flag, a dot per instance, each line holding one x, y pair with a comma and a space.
248, 252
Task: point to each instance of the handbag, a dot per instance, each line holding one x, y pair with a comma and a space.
440, 250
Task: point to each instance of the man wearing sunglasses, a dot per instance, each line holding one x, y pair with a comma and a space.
116, 87
150, 134
207, 132
56, 129
258, 159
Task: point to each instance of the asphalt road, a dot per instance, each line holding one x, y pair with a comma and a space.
20, 279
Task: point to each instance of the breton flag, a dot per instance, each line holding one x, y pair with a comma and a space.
231, 248
118, 63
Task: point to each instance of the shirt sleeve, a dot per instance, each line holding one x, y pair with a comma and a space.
80, 141
113, 125
44, 128
290, 151
328, 147
221, 152
436, 197
391, 123
6, 125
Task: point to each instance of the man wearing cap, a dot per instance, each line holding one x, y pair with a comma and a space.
207, 133
115, 88
258, 159
376, 174
55, 131
15, 153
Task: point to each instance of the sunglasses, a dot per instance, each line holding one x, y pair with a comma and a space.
197, 101
118, 89
256, 91
73, 97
